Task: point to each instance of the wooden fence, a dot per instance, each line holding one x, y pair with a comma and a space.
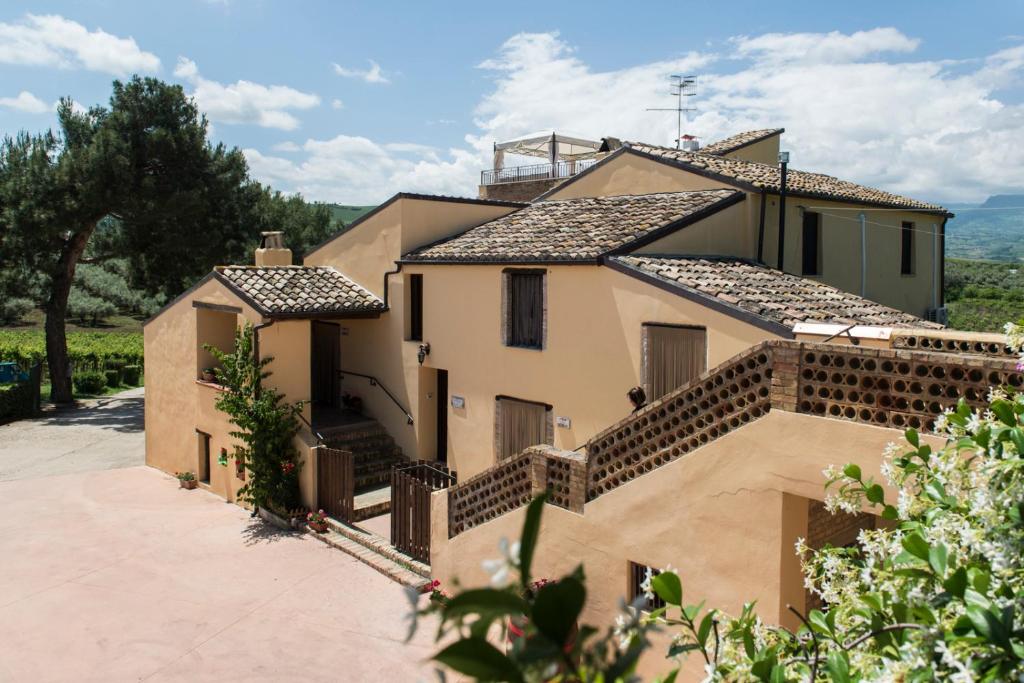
411, 486
335, 482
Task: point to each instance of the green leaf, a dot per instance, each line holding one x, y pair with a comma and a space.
704, 630
889, 512
938, 557
915, 544
875, 493
912, 437
838, 667
668, 587
1004, 411
528, 540
557, 607
1017, 437
818, 621
682, 648
477, 658
956, 584
748, 642
489, 600
671, 678
852, 470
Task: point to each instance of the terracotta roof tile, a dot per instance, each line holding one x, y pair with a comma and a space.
300, 290
734, 142
573, 229
764, 176
769, 293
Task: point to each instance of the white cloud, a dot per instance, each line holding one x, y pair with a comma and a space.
856, 105
245, 101
286, 146
52, 40
372, 75
337, 104
823, 47
26, 102
357, 170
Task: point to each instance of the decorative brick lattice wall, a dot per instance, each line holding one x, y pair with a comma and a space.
921, 341
897, 389
490, 494
884, 387
730, 396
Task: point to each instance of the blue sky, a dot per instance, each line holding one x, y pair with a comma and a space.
921, 98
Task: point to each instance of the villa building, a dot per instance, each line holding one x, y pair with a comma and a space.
627, 340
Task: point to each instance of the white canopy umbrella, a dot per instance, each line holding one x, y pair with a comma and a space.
552, 146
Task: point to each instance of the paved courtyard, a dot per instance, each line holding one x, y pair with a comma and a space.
119, 575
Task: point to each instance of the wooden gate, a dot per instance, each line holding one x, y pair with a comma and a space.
335, 482
411, 486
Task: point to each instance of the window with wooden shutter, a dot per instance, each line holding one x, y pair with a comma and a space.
907, 248
415, 308
520, 424
673, 355
524, 322
812, 243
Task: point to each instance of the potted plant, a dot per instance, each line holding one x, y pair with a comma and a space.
187, 480
208, 375
352, 402
317, 521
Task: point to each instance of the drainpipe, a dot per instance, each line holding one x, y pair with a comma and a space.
935, 267
942, 261
760, 228
783, 163
863, 254
396, 271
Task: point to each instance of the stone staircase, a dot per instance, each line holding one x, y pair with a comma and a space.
376, 552
375, 452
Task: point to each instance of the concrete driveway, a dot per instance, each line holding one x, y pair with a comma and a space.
100, 434
114, 573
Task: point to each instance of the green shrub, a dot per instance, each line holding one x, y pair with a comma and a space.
113, 377
12, 309
114, 363
132, 374
89, 382
16, 400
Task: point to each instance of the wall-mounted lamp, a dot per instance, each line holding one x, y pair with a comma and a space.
423, 352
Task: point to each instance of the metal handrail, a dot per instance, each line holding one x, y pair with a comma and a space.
515, 174
319, 437
374, 382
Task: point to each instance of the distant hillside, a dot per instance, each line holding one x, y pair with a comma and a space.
340, 213
993, 230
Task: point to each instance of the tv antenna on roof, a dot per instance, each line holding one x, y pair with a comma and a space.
682, 86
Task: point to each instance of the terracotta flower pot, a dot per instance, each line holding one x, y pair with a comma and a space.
319, 527
188, 484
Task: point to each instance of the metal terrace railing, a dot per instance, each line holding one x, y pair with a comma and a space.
516, 174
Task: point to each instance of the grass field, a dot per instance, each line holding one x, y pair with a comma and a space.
115, 323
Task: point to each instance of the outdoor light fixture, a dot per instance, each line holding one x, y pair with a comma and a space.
423, 352
783, 157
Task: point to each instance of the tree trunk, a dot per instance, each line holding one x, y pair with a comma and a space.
56, 313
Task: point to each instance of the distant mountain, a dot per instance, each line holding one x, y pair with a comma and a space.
344, 214
992, 230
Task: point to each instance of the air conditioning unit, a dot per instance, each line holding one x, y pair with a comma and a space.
938, 315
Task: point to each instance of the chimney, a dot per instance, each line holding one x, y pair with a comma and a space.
272, 251
690, 143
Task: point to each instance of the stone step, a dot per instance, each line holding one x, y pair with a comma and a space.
379, 545
365, 443
372, 500
399, 572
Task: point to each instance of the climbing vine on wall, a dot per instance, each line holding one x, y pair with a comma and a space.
266, 425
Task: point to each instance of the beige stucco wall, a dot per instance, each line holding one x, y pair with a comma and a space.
177, 405
840, 231
762, 152
726, 517
726, 232
592, 355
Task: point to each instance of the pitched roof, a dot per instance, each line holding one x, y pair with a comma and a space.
577, 229
766, 293
299, 291
735, 142
764, 176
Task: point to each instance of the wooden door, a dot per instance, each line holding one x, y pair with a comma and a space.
325, 363
442, 415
